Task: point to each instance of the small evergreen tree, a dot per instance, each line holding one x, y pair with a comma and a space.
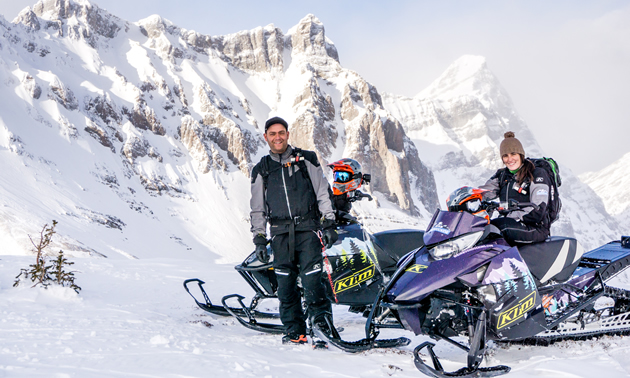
59, 274
42, 274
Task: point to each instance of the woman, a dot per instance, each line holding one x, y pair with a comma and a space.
520, 181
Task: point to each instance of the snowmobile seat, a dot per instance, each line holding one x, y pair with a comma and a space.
556, 258
392, 245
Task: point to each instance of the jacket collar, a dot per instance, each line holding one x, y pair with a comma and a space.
282, 157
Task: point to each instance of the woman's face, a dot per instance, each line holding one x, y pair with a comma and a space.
512, 161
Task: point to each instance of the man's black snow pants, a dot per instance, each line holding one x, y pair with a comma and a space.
308, 266
517, 233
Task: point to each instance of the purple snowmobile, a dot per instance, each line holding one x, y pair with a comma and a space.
466, 281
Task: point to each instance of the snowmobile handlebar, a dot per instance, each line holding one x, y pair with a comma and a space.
343, 217
358, 195
506, 208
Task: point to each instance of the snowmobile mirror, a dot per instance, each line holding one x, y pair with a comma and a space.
367, 177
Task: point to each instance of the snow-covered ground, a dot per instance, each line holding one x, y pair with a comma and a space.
134, 319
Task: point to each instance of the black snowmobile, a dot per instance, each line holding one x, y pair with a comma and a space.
355, 270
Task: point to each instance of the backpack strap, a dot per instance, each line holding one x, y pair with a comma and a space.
265, 171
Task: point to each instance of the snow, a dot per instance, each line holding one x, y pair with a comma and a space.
133, 318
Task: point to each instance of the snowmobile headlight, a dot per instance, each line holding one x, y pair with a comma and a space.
454, 247
488, 293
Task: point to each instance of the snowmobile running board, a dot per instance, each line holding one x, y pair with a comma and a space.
588, 325
227, 311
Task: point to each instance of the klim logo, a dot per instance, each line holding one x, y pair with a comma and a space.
514, 313
355, 279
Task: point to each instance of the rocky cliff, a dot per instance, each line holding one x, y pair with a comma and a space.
140, 125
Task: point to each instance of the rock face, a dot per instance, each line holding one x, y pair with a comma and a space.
93, 21
149, 111
461, 117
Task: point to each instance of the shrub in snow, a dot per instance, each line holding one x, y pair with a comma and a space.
47, 270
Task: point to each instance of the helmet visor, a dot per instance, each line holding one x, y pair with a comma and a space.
342, 176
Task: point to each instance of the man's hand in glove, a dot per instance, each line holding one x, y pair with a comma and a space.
329, 235
261, 248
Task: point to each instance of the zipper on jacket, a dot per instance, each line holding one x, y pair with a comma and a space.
286, 195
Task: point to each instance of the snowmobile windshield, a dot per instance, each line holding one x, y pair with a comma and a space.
449, 225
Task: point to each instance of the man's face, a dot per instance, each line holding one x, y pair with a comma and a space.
277, 137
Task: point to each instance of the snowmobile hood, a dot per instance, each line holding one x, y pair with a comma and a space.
422, 275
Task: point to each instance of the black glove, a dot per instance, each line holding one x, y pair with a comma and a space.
261, 248
329, 236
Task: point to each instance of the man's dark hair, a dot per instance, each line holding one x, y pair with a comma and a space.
272, 121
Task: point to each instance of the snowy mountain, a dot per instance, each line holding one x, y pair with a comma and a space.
457, 124
139, 137
611, 184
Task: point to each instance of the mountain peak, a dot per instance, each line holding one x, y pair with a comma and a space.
467, 73
468, 76
467, 66
155, 26
311, 19
62, 9
309, 36
92, 19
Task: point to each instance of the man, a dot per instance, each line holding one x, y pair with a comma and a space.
290, 192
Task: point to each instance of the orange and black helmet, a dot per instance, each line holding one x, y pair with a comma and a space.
347, 176
468, 199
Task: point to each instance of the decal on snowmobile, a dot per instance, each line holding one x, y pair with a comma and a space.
355, 279
441, 228
518, 311
504, 276
416, 268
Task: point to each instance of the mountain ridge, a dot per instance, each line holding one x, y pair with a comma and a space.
156, 110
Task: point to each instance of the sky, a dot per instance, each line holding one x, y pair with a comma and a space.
564, 63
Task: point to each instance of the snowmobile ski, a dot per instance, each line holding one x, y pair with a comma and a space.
438, 371
476, 352
251, 323
222, 310
334, 339
319, 344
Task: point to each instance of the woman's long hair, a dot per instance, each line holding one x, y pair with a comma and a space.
526, 171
